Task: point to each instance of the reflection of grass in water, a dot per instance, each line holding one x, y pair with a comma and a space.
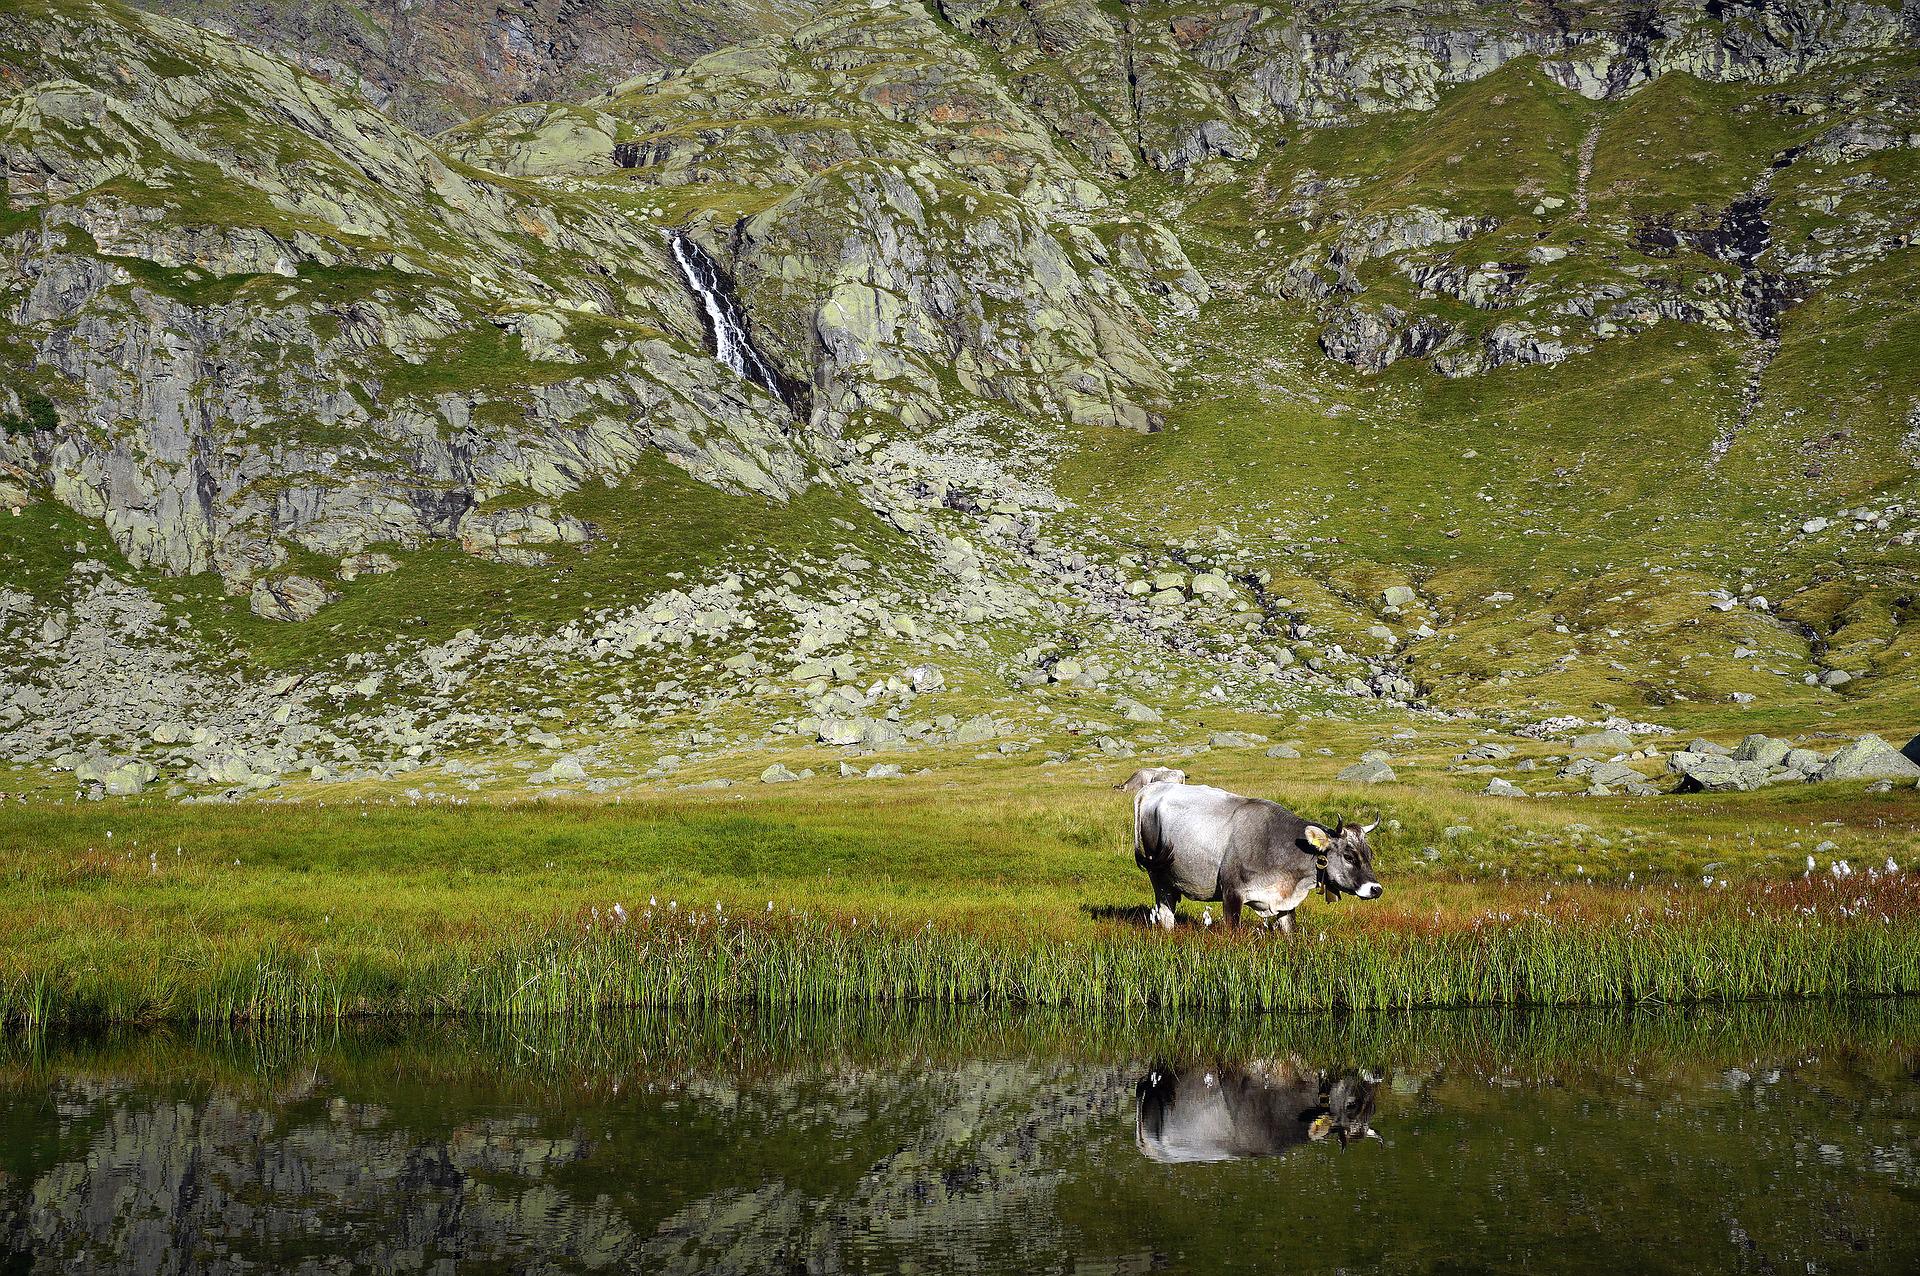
614, 1052
1816, 938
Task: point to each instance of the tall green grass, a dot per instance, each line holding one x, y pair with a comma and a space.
665, 962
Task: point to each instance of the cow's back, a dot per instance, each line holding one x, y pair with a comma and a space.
1184, 831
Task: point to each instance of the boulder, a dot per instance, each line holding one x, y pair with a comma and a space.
1368, 771
977, 730
567, 769
1391, 686
1602, 742
1912, 751
128, 779
1398, 595
1283, 751
1502, 788
1608, 775
1709, 748
1805, 761
777, 774
1869, 758
290, 598
1701, 773
1211, 584
1235, 739
840, 731
879, 733
1765, 750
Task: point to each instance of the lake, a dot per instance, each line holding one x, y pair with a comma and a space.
1763, 1139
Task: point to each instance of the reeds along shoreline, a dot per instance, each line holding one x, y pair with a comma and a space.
1813, 943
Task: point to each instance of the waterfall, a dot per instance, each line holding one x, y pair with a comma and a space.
732, 345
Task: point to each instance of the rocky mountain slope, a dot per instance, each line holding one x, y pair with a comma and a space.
1138, 371
433, 64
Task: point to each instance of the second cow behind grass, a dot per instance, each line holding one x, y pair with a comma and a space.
1202, 843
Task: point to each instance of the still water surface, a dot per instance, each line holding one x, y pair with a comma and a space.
1763, 1140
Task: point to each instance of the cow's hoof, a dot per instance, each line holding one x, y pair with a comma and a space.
1161, 917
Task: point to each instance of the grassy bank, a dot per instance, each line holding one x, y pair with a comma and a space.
1018, 888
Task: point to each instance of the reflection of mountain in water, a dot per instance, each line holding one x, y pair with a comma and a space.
708, 1179
417, 1156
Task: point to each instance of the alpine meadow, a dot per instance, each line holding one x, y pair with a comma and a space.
960, 636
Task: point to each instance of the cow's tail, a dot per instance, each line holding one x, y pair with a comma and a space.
1143, 837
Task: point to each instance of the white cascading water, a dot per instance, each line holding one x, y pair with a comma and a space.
732, 346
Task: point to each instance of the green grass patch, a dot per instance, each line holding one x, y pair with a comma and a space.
1015, 890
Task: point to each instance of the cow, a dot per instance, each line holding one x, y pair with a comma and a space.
1202, 843
1151, 775
1231, 1112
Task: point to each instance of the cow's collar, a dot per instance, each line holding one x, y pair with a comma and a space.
1328, 890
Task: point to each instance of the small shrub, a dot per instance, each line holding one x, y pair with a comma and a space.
39, 415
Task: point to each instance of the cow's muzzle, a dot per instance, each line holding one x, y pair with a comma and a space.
1372, 890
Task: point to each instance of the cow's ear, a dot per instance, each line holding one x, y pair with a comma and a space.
1317, 837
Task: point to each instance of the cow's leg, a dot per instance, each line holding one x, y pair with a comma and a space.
1230, 905
1285, 921
1166, 899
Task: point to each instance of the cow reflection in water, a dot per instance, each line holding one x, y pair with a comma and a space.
1226, 1113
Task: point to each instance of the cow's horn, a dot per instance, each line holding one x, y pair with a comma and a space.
1368, 828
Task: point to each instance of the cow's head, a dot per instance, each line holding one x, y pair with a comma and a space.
1346, 859
1151, 775
1345, 1111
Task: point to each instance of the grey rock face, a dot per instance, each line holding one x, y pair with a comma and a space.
1602, 742
1392, 686
1236, 740
1700, 773
1367, 771
220, 460
289, 598
1765, 750
1869, 758
128, 779
977, 730
1607, 775
1373, 340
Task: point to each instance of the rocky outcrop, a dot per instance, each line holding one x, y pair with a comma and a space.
1372, 340
437, 339
888, 283
435, 63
